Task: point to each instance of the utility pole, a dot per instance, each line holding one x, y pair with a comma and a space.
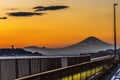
115, 37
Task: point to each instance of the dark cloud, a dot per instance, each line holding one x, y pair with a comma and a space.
38, 7
41, 8
23, 14
3, 17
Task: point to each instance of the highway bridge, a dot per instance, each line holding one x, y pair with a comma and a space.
55, 67
90, 70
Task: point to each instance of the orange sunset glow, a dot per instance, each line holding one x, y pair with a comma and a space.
68, 23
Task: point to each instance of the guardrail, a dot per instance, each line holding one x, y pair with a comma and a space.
20, 66
80, 71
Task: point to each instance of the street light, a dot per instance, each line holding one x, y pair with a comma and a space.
115, 40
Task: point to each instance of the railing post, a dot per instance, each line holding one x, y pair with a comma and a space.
29, 66
16, 67
0, 70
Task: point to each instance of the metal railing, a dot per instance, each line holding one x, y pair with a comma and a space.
80, 71
20, 66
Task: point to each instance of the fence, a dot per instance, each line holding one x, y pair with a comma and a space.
80, 71
16, 67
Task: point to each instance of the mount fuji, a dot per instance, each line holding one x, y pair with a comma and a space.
89, 45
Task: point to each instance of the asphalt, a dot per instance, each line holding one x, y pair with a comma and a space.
112, 74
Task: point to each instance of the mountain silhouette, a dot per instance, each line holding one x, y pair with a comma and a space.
91, 42
17, 52
89, 45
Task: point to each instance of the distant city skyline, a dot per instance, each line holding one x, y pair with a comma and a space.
56, 23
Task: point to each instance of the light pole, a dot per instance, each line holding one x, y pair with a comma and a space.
115, 40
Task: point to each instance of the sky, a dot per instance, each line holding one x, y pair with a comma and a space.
56, 23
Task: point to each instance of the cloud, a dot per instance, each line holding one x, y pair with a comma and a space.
23, 14
37, 8
3, 17
41, 8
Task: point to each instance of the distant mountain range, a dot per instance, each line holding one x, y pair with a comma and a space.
17, 52
89, 45
110, 51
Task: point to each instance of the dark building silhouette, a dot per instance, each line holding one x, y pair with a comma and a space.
12, 46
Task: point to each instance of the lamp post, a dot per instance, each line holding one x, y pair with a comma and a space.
115, 40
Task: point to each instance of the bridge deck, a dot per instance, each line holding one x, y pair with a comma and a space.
114, 74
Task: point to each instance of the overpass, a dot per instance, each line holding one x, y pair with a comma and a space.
90, 70
54, 67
